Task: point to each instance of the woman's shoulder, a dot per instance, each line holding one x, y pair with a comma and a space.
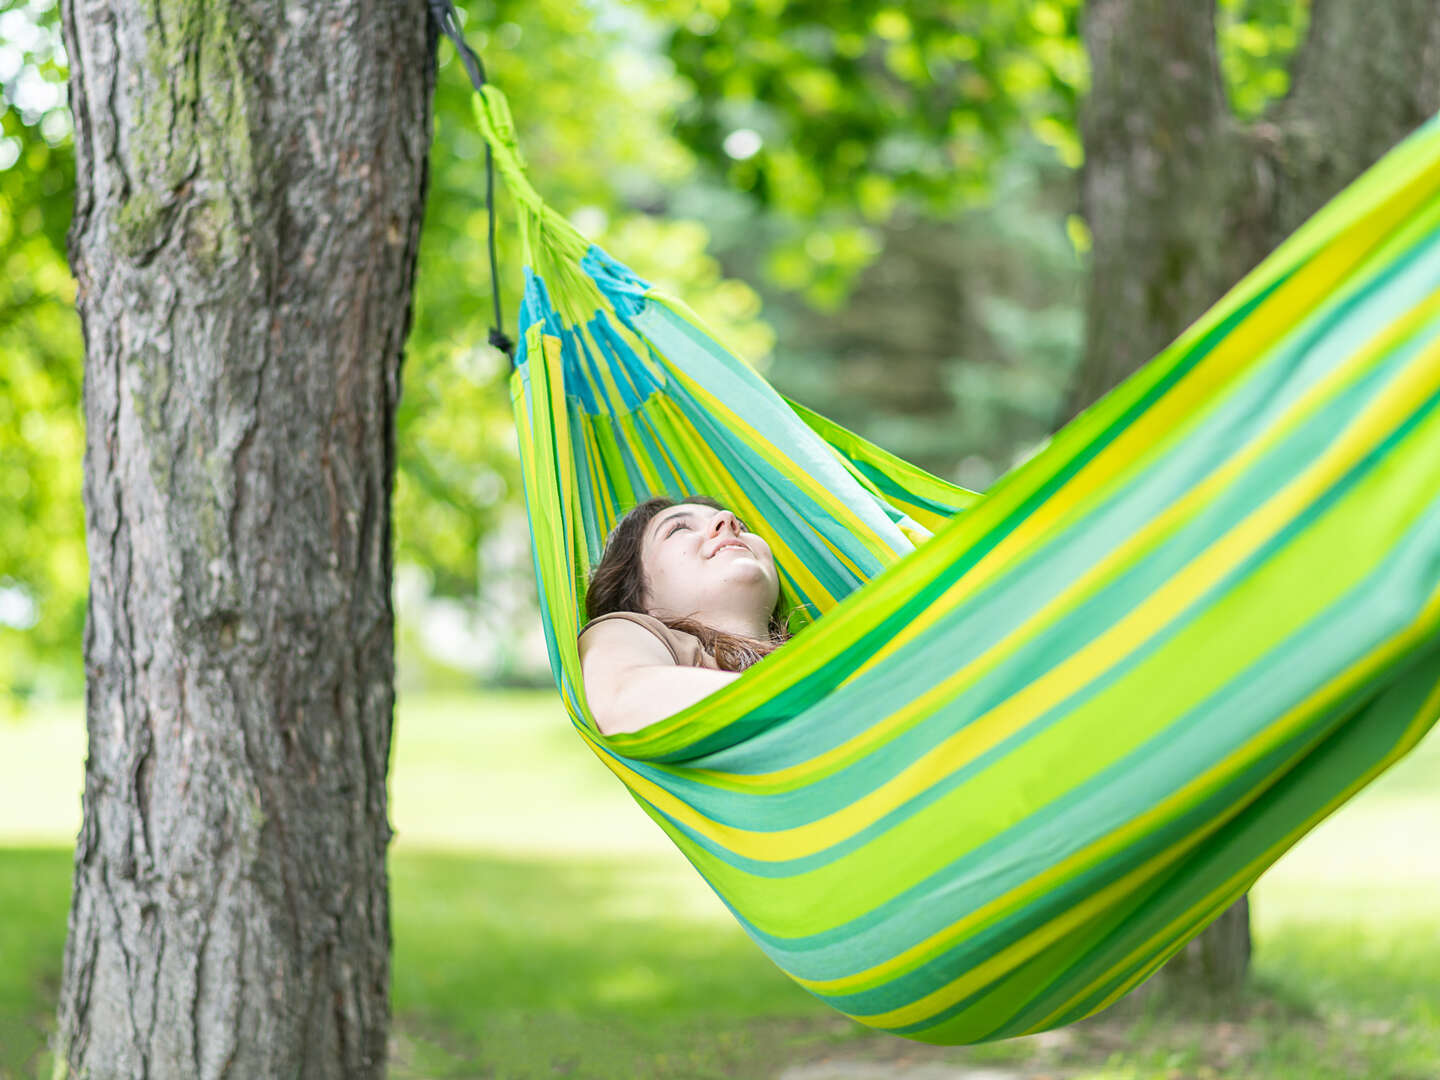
685, 648
671, 638
649, 621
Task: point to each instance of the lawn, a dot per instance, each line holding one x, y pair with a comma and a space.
544, 926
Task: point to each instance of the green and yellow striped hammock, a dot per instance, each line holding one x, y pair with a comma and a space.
1039, 737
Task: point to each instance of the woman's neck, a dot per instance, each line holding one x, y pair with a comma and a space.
731, 622
734, 623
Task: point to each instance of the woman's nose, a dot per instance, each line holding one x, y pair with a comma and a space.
722, 519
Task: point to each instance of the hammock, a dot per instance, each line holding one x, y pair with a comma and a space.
1029, 742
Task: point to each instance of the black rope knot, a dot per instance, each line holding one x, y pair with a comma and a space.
499, 339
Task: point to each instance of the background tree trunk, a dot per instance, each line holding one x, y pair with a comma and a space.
251, 180
1183, 199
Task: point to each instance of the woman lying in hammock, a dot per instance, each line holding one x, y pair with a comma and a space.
683, 600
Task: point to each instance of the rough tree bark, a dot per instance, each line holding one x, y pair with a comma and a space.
251, 179
1183, 199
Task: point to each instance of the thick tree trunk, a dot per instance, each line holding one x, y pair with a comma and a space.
1183, 199
251, 180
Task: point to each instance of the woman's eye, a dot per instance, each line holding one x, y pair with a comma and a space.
685, 525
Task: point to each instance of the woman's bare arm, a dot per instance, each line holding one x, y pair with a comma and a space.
632, 681
653, 692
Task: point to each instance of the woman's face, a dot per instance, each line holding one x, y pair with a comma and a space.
699, 559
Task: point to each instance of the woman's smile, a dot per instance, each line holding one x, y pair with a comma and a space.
728, 544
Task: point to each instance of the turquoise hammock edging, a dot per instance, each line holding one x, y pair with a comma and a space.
1028, 742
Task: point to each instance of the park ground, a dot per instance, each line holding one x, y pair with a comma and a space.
545, 927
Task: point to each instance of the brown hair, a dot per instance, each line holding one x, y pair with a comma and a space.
618, 584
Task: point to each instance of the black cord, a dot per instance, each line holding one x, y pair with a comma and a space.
443, 11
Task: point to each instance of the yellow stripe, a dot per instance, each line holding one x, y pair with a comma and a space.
845, 559
626, 423
742, 429
1241, 881
554, 488
1171, 418
1006, 960
1310, 286
1119, 561
1125, 837
652, 406
699, 459
598, 486
1049, 689
540, 488
598, 363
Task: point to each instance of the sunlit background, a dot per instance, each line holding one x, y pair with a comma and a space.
914, 267
930, 300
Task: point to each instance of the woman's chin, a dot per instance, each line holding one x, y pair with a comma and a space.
748, 569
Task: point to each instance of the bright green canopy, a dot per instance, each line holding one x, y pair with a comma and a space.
1033, 740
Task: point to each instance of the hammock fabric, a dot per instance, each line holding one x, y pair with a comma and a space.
1041, 737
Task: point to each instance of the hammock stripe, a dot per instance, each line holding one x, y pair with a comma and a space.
1029, 742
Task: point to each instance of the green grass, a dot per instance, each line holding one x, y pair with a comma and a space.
544, 926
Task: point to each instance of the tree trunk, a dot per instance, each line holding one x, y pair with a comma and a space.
250, 184
892, 371
1183, 199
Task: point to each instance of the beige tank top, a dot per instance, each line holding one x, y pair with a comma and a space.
686, 648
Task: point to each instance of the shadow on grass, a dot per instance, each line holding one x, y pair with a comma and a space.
605, 968
589, 967
502, 967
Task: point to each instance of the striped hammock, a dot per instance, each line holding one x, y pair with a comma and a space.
1026, 743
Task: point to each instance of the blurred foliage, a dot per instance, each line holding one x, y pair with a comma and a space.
43, 570
920, 97
567, 75
956, 346
781, 140
993, 176
829, 114
1257, 39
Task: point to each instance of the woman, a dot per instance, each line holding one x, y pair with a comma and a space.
683, 600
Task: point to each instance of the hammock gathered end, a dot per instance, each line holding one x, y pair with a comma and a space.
1030, 742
